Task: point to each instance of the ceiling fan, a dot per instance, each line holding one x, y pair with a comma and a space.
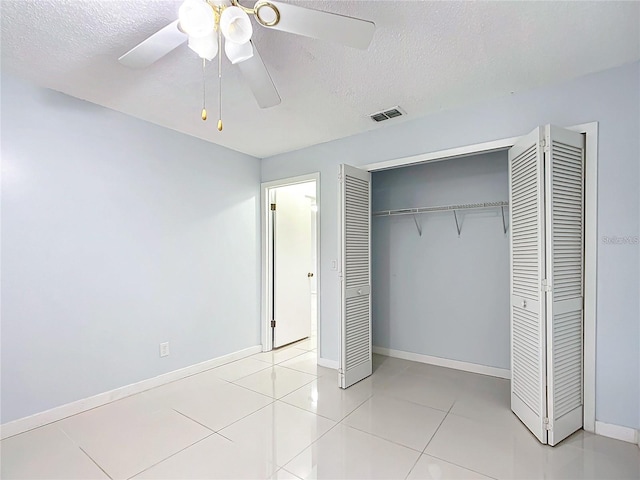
206, 24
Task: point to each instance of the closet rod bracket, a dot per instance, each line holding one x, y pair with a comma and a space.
504, 221
458, 224
418, 226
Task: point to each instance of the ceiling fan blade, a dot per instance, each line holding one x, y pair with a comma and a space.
155, 47
349, 31
259, 80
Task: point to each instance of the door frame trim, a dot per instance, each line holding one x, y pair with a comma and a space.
265, 229
590, 239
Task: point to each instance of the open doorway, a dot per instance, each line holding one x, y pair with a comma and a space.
290, 263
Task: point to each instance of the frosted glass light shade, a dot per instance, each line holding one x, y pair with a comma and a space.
205, 47
196, 18
238, 52
236, 25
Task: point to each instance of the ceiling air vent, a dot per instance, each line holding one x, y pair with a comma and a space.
387, 114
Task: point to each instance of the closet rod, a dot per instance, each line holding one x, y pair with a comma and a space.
443, 208
446, 208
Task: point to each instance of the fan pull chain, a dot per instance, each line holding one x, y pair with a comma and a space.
219, 80
204, 93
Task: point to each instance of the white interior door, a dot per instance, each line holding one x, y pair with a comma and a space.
546, 175
314, 240
291, 259
527, 246
564, 172
355, 275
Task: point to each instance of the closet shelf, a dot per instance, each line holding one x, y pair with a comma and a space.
443, 208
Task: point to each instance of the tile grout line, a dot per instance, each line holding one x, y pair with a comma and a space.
275, 400
398, 399
282, 468
448, 461
226, 438
172, 455
383, 438
305, 448
436, 431
431, 439
351, 412
193, 420
96, 463
251, 390
300, 452
305, 410
369, 433
247, 375
300, 371
272, 366
292, 391
242, 418
461, 466
414, 466
64, 432
319, 414
413, 402
296, 370
273, 363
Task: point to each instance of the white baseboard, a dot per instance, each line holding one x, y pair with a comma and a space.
626, 434
63, 411
323, 362
444, 362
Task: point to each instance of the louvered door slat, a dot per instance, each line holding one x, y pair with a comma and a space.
565, 233
355, 355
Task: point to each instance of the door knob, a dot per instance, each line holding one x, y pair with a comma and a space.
309, 275
524, 304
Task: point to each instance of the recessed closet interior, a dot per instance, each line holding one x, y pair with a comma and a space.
440, 280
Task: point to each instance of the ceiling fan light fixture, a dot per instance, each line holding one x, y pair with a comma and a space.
206, 47
196, 18
238, 52
235, 25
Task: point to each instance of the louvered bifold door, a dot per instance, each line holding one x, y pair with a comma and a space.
564, 172
526, 197
355, 275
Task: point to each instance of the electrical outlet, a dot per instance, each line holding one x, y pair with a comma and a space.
164, 349
334, 264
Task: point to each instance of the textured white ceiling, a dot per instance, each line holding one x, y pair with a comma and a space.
425, 57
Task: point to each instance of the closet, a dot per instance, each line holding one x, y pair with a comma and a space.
440, 262
534, 274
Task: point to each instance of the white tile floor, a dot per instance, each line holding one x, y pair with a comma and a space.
280, 416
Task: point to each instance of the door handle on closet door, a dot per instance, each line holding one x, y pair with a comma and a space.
359, 291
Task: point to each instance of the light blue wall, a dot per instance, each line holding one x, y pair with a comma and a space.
117, 235
613, 99
438, 294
